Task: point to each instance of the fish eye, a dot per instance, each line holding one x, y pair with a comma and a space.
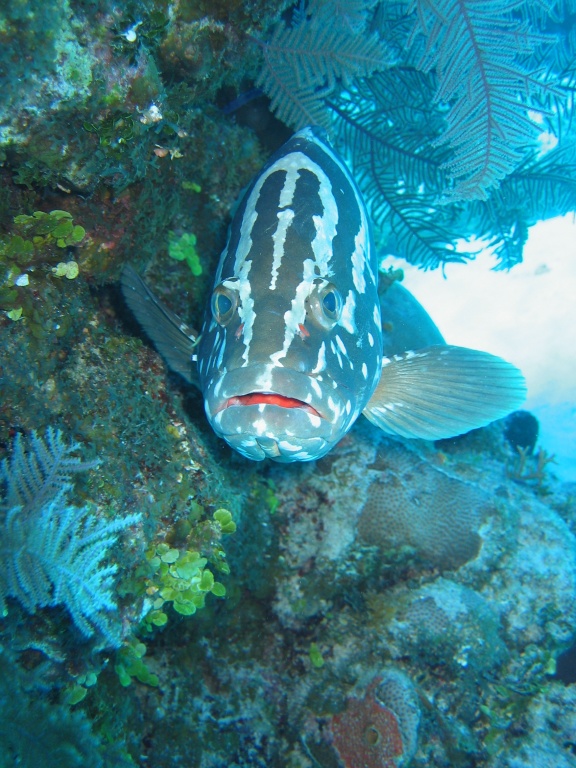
325, 304
331, 302
224, 303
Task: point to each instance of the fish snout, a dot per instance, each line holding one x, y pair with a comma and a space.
278, 413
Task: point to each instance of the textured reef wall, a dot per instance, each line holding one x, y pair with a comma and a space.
165, 602
403, 602
439, 565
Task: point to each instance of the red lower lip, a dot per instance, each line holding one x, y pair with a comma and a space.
267, 398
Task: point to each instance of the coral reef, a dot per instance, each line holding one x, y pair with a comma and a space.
489, 618
439, 516
447, 624
367, 731
381, 728
336, 574
408, 602
549, 712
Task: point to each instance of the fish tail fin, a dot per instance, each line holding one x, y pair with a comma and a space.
443, 391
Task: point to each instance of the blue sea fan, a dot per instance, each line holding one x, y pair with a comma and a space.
477, 48
305, 62
35, 476
53, 551
437, 106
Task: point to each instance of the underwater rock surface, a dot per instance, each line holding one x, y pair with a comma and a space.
407, 596
405, 601
470, 605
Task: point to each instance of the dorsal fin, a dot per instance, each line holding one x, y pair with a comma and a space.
405, 323
173, 339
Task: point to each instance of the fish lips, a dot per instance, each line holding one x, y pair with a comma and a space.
266, 411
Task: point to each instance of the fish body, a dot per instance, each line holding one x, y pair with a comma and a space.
290, 368
293, 350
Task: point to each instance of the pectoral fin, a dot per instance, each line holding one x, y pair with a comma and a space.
173, 339
443, 391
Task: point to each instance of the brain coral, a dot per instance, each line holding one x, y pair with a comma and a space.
397, 693
412, 502
448, 623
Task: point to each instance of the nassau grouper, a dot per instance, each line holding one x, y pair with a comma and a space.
293, 349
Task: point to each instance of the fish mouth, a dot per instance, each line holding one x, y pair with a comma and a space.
268, 411
268, 398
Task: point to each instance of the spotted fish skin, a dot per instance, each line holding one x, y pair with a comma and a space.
295, 311
292, 348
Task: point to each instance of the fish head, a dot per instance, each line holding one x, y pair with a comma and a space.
291, 347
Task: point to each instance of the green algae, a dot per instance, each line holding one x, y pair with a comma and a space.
183, 248
130, 664
31, 260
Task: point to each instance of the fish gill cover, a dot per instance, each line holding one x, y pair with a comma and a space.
126, 128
